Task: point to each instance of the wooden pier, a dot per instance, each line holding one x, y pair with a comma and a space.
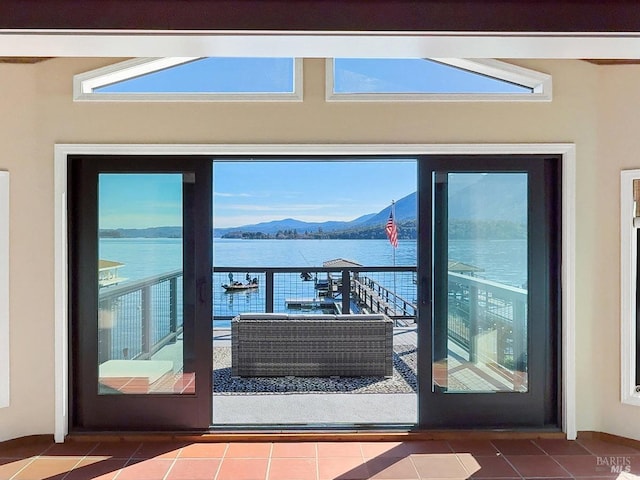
374, 298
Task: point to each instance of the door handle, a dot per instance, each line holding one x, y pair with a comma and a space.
202, 290
424, 290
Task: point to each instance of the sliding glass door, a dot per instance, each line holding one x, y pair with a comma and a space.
491, 273
140, 242
465, 269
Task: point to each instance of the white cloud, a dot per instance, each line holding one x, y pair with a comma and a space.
135, 220
290, 207
240, 220
232, 195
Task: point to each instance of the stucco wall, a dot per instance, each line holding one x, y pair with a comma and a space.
619, 148
30, 240
590, 108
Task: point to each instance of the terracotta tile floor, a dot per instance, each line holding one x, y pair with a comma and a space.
438, 459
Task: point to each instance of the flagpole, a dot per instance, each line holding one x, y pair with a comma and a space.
392, 232
395, 292
393, 213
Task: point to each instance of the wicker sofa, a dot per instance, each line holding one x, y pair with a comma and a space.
272, 345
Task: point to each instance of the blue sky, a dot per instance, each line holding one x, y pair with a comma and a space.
263, 191
139, 200
254, 192
233, 75
276, 75
310, 191
412, 75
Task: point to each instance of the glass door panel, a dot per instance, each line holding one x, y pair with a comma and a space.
141, 297
140, 283
490, 275
484, 341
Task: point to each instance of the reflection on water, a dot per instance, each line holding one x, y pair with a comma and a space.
238, 299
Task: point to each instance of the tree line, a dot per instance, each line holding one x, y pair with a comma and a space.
407, 230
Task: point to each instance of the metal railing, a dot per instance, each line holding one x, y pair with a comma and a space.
337, 289
487, 319
380, 299
137, 319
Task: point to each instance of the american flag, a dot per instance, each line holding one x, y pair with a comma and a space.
392, 231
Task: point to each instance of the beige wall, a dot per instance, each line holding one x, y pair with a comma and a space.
619, 148
31, 270
592, 107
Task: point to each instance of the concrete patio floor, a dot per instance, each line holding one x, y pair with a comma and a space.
318, 409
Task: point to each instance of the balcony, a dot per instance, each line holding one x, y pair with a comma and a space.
485, 341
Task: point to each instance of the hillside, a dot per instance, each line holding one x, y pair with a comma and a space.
152, 232
479, 207
494, 197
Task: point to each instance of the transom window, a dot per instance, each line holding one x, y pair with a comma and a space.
280, 79
194, 79
423, 79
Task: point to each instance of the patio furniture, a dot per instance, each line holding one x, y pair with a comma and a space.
273, 345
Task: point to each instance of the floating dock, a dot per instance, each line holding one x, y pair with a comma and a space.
309, 303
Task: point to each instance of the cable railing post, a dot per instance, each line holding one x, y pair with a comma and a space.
145, 320
473, 323
173, 304
519, 335
105, 330
346, 291
268, 308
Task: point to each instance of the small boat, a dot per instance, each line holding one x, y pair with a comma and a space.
238, 287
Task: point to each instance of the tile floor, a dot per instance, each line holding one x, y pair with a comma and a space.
453, 459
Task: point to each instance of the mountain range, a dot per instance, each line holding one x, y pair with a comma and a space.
405, 209
496, 199
493, 198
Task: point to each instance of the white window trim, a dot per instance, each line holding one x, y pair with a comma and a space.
4, 291
628, 256
540, 83
84, 84
566, 150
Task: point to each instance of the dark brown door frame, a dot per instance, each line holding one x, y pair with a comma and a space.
83, 187
88, 410
540, 407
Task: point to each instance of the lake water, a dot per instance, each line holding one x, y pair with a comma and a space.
504, 261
